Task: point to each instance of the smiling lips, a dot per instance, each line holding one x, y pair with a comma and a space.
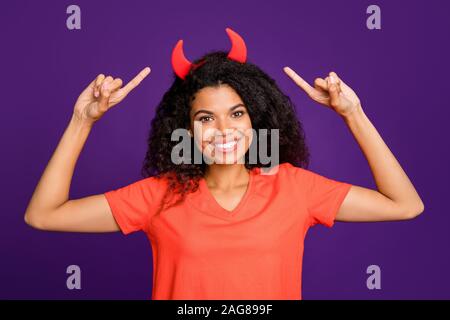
226, 147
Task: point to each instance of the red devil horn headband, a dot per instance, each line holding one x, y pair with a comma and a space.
181, 65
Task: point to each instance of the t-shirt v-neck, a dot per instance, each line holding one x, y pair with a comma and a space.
214, 205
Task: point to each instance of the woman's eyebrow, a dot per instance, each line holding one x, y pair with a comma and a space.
210, 112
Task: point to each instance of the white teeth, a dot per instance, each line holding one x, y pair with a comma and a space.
225, 145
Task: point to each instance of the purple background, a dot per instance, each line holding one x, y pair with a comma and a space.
399, 72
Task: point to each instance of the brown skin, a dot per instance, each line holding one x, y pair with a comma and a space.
215, 118
50, 208
396, 197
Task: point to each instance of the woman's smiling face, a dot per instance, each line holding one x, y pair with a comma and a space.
221, 124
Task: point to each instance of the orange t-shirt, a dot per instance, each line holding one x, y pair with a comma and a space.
203, 251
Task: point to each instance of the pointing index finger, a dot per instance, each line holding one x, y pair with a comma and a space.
299, 80
136, 80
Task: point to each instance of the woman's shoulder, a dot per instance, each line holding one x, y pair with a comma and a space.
282, 168
161, 182
154, 184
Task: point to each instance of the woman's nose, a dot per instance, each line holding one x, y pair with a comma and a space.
223, 126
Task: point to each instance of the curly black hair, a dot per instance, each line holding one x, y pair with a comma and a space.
267, 106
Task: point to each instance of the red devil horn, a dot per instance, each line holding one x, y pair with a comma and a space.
180, 64
238, 50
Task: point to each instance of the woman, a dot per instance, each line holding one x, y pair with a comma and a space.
227, 227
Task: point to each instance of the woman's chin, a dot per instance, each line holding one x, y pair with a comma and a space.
224, 158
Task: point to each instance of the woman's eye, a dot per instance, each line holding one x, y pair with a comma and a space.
240, 113
203, 118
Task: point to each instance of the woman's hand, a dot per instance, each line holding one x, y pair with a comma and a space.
102, 94
331, 92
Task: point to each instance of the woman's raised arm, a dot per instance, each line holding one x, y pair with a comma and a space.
50, 207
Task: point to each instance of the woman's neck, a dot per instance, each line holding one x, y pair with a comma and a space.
226, 176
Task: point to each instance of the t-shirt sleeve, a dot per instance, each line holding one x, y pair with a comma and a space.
324, 196
133, 205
